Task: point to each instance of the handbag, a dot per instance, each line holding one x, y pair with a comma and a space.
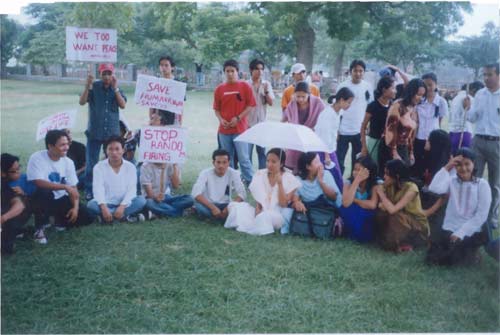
316, 222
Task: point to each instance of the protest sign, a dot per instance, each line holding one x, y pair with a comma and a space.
56, 121
160, 93
91, 44
163, 144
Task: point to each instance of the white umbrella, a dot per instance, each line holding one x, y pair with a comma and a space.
284, 136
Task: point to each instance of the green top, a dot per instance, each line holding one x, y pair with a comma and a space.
414, 207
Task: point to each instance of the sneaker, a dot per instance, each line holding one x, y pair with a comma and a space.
40, 237
60, 228
135, 218
20, 235
150, 216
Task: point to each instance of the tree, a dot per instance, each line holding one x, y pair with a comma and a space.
9, 31
476, 51
395, 37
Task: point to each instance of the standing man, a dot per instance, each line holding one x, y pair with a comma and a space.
167, 70
298, 75
105, 99
199, 74
485, 113
352, 118
263, 95
233, 101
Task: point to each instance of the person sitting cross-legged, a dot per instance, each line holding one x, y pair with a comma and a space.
115, 187
215, 186
157, 179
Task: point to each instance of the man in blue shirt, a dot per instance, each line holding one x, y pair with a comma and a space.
104, 98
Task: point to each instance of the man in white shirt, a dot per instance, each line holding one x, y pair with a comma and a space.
485, 113
115, 187
264, 96
56, 195
215, 187
352, 118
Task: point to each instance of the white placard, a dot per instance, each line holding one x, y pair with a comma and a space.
163, 144
60, 120
91, 44
160, 93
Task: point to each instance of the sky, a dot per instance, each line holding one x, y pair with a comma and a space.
484, 11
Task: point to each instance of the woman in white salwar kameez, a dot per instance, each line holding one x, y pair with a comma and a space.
466, 212
273, 189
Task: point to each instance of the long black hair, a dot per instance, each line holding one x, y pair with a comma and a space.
383, 84
368, 163
344, 93
398, 170
305, 159
440, 150
411, 90
279, 153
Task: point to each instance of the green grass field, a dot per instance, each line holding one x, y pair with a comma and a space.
186, 276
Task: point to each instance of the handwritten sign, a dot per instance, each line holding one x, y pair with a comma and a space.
61, 120
163, 144
91, 44
160, 93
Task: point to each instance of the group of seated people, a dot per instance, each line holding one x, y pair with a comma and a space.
388, 212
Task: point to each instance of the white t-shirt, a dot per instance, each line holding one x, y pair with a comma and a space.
219, 189
62, 171
327, 127
352, 118
114, 188
457, 119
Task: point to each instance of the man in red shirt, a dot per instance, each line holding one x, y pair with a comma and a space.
233, 101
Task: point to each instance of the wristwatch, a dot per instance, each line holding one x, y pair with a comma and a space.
117, 90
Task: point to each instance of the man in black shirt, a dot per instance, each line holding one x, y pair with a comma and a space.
76, 153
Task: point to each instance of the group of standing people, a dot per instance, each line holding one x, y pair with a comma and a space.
395, 141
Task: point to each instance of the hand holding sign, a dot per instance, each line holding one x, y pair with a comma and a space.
166, 94
163, 144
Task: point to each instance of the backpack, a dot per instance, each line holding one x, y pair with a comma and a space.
316, 222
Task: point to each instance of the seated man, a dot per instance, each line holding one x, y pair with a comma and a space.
56, 194
157, 179
114, 186
14, 214
16, 180
77, 154
214, 187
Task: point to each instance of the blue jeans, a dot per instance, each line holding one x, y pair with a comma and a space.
204, 211
199, 78
343, 146
261, 155
170, 206
135, 207
91, 157
227, 143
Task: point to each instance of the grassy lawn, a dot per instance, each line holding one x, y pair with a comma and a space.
186, 276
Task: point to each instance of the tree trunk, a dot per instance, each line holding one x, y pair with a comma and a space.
339, 60
304, 39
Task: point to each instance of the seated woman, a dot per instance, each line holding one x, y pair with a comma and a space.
318, 188
438, 146
359, 201
273, 189
466, 212
304, 109
327, 129
400, 223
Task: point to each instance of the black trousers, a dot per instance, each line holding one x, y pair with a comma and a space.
10, 229
44, 206
444, 252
